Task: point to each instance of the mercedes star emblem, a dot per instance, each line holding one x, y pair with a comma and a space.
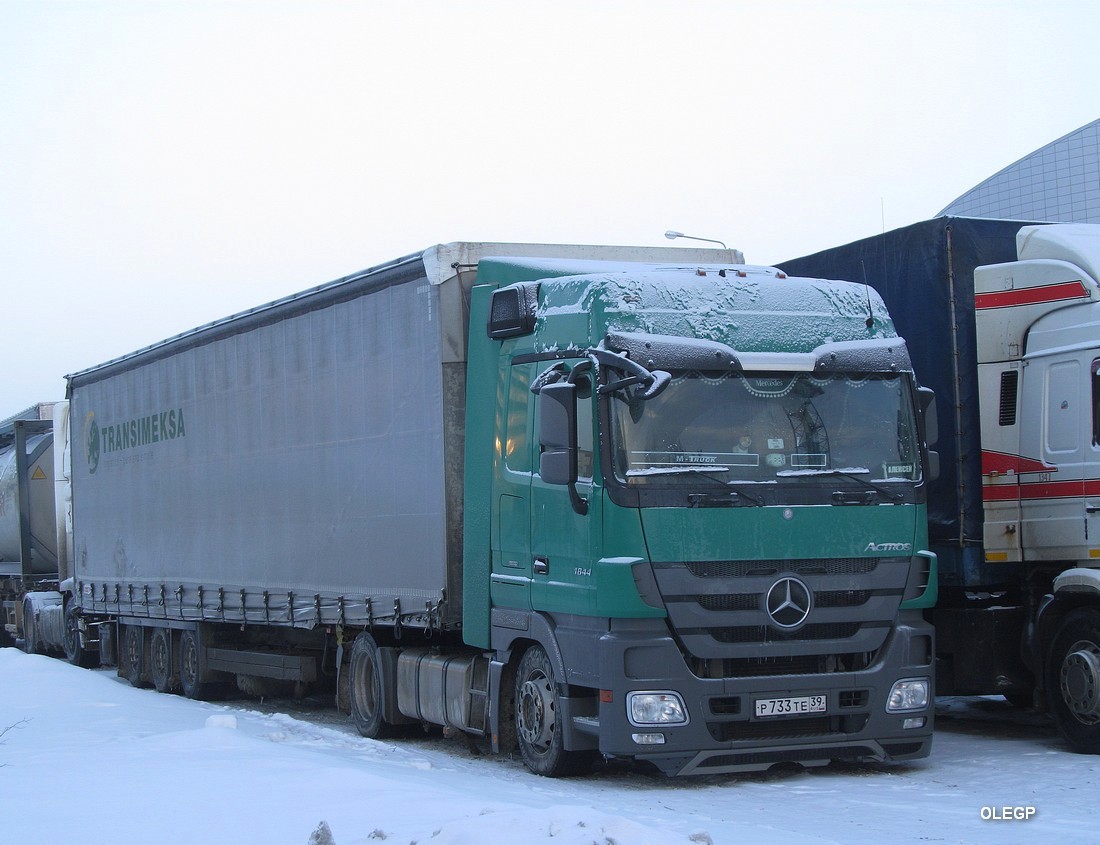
789, 602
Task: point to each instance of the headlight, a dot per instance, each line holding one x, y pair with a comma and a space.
908, 694
655, 708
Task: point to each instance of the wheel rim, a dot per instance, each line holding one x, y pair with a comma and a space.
188, 661
1080, 682
535, 709
160, 656
72, 635
133, 650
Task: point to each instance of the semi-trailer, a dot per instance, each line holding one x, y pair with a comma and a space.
33, 511
652, 504
1003, 322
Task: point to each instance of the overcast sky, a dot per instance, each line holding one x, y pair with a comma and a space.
166, 163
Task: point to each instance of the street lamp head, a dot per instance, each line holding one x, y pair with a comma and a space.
672, 235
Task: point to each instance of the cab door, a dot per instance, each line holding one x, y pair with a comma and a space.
1092, 463
1057, 414
515, 457
563, 539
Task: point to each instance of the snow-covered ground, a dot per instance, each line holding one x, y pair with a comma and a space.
88, 759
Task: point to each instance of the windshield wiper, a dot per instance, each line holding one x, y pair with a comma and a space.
846, 473
732, 496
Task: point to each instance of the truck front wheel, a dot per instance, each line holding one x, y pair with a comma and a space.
1073, 679
367, 688
538, 719
75, 653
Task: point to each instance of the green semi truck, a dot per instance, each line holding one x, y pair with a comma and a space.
648, 504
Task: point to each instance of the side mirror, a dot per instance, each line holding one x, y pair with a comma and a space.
926, 399
558, 439
558, 433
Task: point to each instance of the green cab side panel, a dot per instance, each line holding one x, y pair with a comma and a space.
478, 473
590, 559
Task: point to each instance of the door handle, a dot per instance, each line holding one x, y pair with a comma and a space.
542, 566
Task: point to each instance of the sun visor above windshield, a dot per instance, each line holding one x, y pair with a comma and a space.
878, 355
665, 352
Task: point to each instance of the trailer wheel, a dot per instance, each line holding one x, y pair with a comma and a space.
1073, 678
190, 669
538, 729
133, 651
74, 652
161, 663
368, 690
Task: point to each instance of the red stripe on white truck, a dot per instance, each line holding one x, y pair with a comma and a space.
1041, 490
1031, 296
1002, 463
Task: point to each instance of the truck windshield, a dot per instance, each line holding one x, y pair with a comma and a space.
781, 427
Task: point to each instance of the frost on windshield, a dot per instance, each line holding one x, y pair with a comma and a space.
759, 428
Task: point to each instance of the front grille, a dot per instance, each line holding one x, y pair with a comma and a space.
717, 611
854, 698
762, 667
744, 601
767, 634
726, 705
751, 601
764, 568
779, 729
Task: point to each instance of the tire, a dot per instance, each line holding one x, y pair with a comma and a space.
368, 689
162, 662
1073, 680
537, 711
133, 656
74, 652
191, 669
506, 729
30, 629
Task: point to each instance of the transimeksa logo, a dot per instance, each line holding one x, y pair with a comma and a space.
91, 442
129, 434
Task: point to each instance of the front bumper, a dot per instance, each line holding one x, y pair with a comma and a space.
723, 732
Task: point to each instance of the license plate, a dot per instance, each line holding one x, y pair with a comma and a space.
790, 706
